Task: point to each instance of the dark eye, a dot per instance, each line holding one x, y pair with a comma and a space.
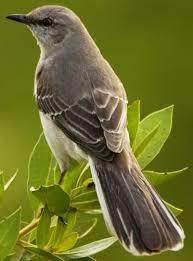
47, 22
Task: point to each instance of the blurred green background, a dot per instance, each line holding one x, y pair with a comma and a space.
150, 45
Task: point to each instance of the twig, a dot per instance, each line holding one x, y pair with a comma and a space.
61, 178
24, 231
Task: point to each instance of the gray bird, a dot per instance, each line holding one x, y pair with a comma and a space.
83, 110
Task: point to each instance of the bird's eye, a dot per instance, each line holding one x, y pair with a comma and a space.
47, 22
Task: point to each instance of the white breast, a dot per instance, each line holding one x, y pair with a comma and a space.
61, 146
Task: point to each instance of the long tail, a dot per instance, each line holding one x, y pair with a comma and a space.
132, 209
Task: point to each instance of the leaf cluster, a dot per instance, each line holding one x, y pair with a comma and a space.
65, 210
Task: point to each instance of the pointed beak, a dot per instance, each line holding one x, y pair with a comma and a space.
19, 18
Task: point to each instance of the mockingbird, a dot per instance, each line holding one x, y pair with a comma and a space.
83, 110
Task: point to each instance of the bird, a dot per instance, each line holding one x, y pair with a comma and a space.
83, 111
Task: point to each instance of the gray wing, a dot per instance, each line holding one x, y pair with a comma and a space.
112, 113
94, 118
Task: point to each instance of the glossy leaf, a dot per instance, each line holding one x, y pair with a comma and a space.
54, 197
85, 173
52, 238
147, 140
9, 230
157, 178
90, 249
58, 232
32, 235
86, 201
4, 186
76, 191
68, 243
10, 181
93, 212
133, 119
46, 254
85, 227
64, 227
176, 211
51, 171
86, 205
87, 185
54, 221
72, 175
38, 167
163, 119
71, 218
89, 196
43, 230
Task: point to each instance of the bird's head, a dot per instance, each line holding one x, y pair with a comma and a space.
50, 25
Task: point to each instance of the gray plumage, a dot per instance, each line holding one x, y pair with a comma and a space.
83, 110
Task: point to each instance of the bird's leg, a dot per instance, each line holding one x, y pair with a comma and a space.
63, 172
62, 169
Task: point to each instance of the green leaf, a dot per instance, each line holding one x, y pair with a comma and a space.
52, 171
4, 186
87, 185
68, 243
46, 254
86, 205
54, 221
76, 191
54, 197
38, 168
133, 119
90, 249
63, 229
70, 221
59, 232
52, 237
85, 227
86, 201
43, 230
176, 211
32, 235
85, 173
163, 119
72, 175
157, 178
93, 212
143, 145
89, 196
10, 181
9, 230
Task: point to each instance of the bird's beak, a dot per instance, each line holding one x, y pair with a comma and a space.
19, 18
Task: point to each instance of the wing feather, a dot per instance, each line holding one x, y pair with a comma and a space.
95, 119
112, 113
78, 121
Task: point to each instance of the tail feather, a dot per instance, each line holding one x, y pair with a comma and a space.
132, 209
